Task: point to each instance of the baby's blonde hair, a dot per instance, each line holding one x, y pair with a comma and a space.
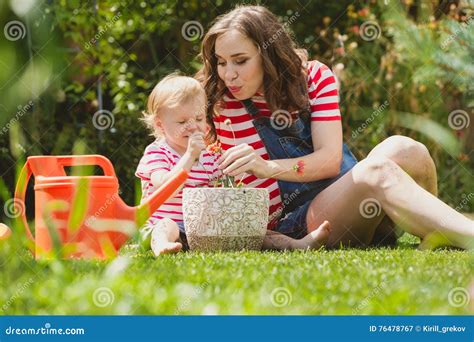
170, 92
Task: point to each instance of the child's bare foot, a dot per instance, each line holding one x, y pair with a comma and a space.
163, 238
316, 239
160, 245
166, 247
5, 232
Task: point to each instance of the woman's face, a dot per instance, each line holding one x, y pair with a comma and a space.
239, 64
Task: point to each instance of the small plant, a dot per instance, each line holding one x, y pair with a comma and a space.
227, 181
223, 181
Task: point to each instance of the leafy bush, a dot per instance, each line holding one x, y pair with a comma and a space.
109, 57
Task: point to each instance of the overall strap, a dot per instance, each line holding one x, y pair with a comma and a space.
251, 108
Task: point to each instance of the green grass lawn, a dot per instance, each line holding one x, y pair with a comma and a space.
403, 280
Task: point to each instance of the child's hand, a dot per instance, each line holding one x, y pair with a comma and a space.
196, 144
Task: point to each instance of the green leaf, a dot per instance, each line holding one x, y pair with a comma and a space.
431, 129
80, 205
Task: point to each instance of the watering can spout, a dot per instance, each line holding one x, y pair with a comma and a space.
165, 191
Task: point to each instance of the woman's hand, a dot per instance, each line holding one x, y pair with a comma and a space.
243, 158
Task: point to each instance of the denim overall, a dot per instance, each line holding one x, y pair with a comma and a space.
293, 142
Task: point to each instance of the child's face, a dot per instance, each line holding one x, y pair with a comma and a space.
239, 64
178, 123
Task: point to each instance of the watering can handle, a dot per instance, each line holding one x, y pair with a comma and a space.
93, 159
19, 199
26, 172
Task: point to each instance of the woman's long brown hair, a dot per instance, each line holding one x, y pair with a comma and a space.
284, 79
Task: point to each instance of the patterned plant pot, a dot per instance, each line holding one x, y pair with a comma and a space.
226, 219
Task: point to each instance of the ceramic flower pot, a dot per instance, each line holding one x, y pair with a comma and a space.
227, 219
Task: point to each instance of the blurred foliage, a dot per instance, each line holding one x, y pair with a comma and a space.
76, 59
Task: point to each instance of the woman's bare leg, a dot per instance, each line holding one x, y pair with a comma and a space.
414, 158
356, 204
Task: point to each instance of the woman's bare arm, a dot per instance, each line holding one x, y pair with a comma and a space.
324, 162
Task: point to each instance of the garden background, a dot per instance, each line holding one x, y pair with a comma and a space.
74, 78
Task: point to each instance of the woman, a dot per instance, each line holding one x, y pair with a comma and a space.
277, 116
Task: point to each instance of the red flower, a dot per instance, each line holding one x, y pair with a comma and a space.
340, 51
363, 12
354, 29
299, 167
215, 148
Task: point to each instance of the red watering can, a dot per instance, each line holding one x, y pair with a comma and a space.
82, 216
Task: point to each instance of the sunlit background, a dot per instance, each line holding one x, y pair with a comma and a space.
75, 75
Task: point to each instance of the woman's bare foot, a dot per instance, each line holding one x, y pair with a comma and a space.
316, 239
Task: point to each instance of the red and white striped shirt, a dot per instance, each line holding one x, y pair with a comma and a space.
324, 103
160, 156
